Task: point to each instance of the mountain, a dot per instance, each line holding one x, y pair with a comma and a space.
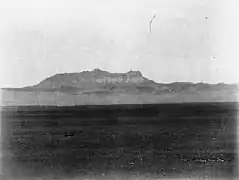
131, 82
88, 81
102, 87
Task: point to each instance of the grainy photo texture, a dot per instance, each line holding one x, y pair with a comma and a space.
117, 89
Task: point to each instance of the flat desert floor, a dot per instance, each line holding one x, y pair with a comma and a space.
164, 141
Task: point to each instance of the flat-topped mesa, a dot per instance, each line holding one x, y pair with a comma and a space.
86, 78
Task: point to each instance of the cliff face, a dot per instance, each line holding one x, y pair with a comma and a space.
130, 77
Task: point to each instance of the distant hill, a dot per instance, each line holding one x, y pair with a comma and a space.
97, 79
100, 86
132, 81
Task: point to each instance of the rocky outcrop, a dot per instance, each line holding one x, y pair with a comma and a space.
130, 77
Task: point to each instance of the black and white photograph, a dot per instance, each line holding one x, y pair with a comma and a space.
119, 90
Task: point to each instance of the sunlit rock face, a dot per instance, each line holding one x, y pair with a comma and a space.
129, 77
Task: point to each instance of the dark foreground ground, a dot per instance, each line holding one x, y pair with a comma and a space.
127, 141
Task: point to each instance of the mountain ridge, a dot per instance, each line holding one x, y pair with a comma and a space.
99, 87
99, 79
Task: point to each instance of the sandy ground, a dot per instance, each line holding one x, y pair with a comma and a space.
18, 98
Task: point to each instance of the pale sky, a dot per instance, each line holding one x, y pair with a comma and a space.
191, 40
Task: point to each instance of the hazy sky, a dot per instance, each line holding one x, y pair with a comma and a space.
189, 39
